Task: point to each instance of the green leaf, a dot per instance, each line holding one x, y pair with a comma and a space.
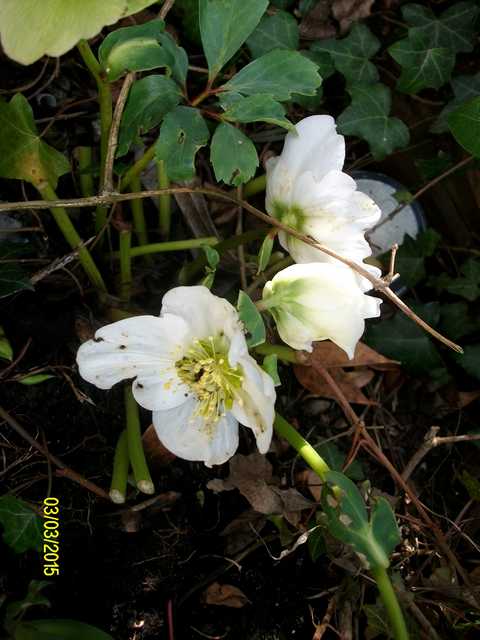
36, 378
34, 598
30, 29
456, 321
316, 544
351, 55
12, 279
278, 31
233, 155
22, 527
399, 338
224, 27
471, 484
422, 64
347, 519
177, 58
335, 458
467, 285
464, 88
259, 108
454, 29
62, 629
368, 117
265, 252
270, 365
410, 262
322, 59
464, 123
182, 134
134, 48
252, 320
6, 351
213, 257
279, 73
23, 155
470, 360
149, 100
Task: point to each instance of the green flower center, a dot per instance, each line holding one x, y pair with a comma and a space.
292, 216
205, 369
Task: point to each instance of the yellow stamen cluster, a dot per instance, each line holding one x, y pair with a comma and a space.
205, 369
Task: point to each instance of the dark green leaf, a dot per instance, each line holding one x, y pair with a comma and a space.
265, 252
335, 458
467, 285
224, 27
150, 99
34, 598
316, 544
61, 629
351, 55
454, 29
252, 320
464, 88
432, 167
470, 360
36, 378
6, 351
278, 73
278, 31
259, 108
384, 526
456, 321
182, 134
134, 48
22, 527
23, 154
12, 279
471, 484
368, 117
270, 365
322, 59
464, 123
411, 255
177, 59
422, 64
233, 155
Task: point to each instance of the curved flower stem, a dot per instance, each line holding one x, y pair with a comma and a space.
390, 600
125, 264
137, 168
161, 247
287, 354
138, 215
135, 446
305, 449
71, 236
257, 185
164, 201
85, 161
118, 486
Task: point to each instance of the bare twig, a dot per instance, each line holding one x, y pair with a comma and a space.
167, 5
107, 186
63, 469
377, 283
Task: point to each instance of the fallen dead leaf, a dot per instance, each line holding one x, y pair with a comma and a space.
348, 11
225, 595
328, 355
242, 531
318, 24
157, 455
312, 482
311, 380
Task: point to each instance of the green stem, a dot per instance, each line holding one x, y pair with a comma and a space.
176, 245
298, 442
137, 168
390, 601
138, 214
285, 353
85, 161
125, 265
135, 446
164, 201
255, 186
70, 234
118, 487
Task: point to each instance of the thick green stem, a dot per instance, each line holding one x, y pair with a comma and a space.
125, 265
70, 234
85, 161
137, 168
257, 185
287, 354
298, 442
390, 601
118, 487
175, 245
164, 201
135, 446
138, 214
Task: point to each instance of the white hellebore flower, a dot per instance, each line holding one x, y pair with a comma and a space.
307, 190
191, 367
319, 301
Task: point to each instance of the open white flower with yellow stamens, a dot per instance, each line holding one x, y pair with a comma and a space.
307, 190
191, 367
319, 301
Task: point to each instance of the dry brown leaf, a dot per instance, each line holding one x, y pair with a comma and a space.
311, 380
157, 455
242, 531
328, 355
225, 595
348, 11
312, 482
317, 24
466, 397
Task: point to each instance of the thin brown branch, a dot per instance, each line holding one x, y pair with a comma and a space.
377, 283
107, 186
63, 469
167, 5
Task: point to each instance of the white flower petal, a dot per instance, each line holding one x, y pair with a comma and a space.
144, 347
206, 314
254, 404
186, 435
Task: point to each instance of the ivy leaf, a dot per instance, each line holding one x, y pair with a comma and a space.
12, 279
467, 285
470, 360
278, 31
464, 123
134, 48
22, 527
233, 155
23, 154
252, 320
368, 117
278, 73
61, 629
259, 108
423, 65
454, 29
149, 100
411, 256
456, 321
464, 88
351, 55
224, 27
182, 134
